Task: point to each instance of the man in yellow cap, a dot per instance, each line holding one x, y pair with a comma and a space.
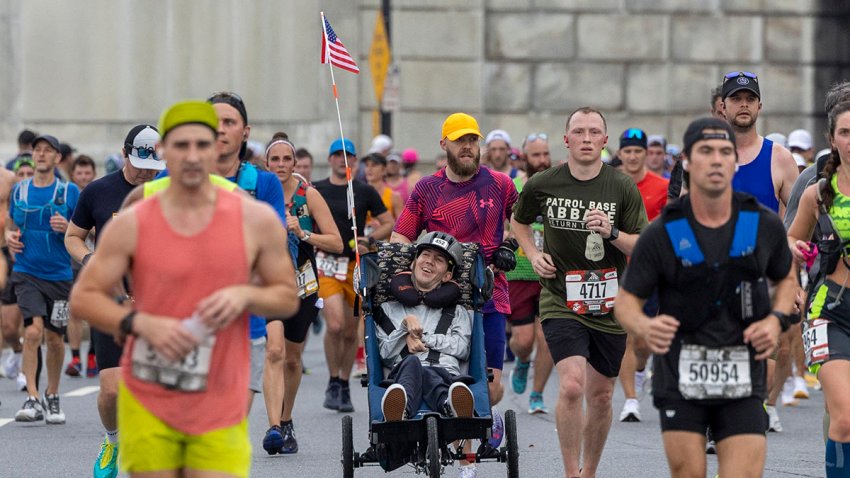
472, 204
191, 251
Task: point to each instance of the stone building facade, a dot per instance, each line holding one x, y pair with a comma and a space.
88, 71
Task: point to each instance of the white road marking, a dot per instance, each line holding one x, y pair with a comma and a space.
81, 392
4, 421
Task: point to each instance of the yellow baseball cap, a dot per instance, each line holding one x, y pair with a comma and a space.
188, 112
460, 124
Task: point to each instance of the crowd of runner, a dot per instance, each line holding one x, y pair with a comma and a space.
653, 262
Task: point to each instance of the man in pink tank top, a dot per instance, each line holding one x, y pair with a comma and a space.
190, 251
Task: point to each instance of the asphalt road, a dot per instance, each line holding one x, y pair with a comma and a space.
633, 449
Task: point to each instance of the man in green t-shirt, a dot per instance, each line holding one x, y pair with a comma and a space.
524, 292
592, 216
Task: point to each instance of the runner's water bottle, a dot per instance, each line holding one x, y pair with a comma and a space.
196, 326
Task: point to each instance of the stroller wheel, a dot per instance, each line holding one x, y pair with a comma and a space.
433, 453
347, 447
512, 445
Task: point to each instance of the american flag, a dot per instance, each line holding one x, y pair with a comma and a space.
333, 47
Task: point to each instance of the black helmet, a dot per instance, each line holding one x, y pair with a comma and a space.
443, 242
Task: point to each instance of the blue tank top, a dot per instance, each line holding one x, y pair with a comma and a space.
755, 178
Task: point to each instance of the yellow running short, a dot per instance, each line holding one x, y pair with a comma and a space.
147, 444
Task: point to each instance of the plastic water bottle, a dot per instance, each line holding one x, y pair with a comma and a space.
196, 326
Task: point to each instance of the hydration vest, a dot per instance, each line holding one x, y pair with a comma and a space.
831, 247
246, 178
700, 291
22, 208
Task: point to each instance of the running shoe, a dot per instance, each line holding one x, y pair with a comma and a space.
788, 399
467, 471
12, 365
290, 444
91, 367
631, 411
31, 411
22, 382
710, 445
360, 367
55, 416
519, 376
273, 441
535, 403
460, 401
332, 395
801, 390
774, 424
106, 465
75, 368
394, 403
345, 405
497, 431
811, 380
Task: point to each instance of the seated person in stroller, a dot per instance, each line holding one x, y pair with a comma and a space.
425, 334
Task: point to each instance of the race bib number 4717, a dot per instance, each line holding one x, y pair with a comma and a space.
591, 292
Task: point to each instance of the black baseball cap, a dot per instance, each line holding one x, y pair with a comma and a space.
736, 81
633, 137
696, 132
51, 140
376, 158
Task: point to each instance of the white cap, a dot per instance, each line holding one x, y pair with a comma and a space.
800, 138
778, 138
145, 139
799, 159
822, 152
498, 134
381, 144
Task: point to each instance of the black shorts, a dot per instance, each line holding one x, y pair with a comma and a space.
37, 296
7, 296
727, 418
106, 351
569, 337
295, 328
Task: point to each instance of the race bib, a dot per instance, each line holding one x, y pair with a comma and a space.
59, 315
331, 265
591, 292
706, 372
306, 281
188, 375
816, 341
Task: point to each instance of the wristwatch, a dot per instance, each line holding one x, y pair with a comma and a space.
126, 325
784, 319
615, 233
305, 236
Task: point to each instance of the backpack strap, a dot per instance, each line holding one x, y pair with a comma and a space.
443, 325
684, 242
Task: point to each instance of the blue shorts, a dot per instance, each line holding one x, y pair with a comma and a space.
494, 339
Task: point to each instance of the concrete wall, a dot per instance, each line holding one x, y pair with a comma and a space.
88, 71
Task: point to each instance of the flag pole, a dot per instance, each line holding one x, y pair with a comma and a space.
350, 191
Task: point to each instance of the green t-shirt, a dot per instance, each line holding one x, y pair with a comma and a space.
563, 201
524, 270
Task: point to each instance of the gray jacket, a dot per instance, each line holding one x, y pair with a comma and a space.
453, 346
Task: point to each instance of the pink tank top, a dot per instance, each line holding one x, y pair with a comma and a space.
171, 274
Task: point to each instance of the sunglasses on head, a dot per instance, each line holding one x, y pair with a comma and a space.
633, 133
535, 136
224, 96
736, 74
144, 152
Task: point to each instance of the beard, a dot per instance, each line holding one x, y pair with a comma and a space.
462, 168
531, 169
743, 124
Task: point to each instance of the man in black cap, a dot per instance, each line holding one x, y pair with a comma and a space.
710, 351
99, 202
765, 170
41, 276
